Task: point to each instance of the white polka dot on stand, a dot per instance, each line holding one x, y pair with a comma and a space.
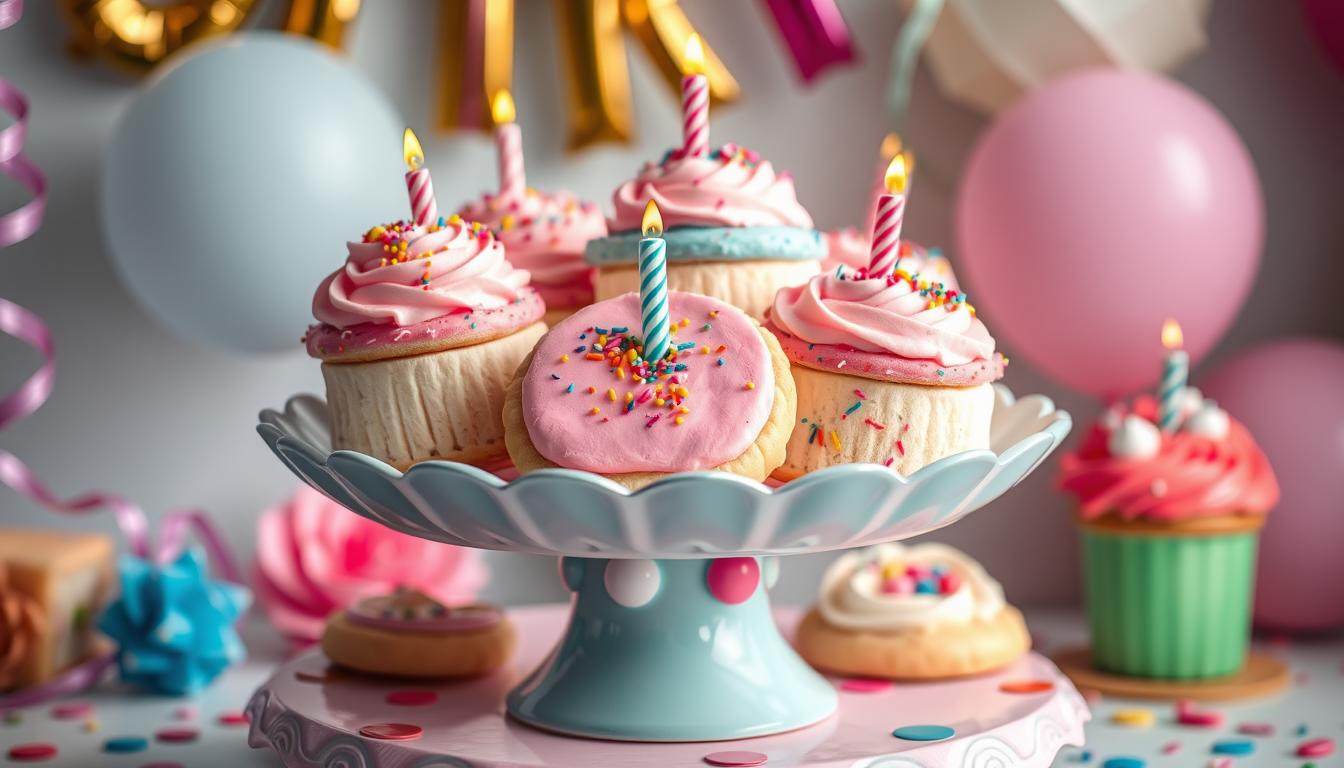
632, 583
770, 571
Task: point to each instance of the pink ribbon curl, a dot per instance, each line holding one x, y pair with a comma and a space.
815, 33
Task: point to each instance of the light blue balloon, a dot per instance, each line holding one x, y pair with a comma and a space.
235, 179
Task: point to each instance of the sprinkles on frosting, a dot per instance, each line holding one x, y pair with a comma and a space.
936, 291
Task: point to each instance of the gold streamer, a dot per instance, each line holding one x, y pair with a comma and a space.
598, 82
662, 27
135, 35
323, 20
475, 61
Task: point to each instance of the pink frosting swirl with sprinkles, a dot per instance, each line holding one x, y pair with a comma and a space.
849, 250
545, 234
1192, 475
732, 187
898, 316
587, 408
402, 275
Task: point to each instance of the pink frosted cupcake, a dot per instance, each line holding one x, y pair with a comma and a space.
735, 229
418, 335
894, 370
849, 250
546, 234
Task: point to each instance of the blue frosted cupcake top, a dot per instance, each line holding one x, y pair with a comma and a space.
689, 244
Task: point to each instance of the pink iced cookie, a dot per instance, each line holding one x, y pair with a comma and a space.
585, 407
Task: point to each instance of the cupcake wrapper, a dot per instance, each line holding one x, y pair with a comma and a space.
1169, 606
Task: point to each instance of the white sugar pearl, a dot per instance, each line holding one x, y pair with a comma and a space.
1136, 438
1210, 421
632, 583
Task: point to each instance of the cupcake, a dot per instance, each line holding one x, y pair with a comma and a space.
721, 399
418, 335
846, 249
1170, 522
735, 229
921, 612
545, 234
894, 370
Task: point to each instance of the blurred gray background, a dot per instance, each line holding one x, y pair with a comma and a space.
140, 412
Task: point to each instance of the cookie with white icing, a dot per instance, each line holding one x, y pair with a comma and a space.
921, 612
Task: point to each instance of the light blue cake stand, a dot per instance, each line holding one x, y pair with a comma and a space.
657, 647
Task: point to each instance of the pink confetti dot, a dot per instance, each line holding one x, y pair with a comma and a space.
233, 718
1322, 747
733, 580
865, 685
177, 735
1171, 747
392, 731
1256, 729
32, 752
412, 698
185, 713
75, 710
736, 758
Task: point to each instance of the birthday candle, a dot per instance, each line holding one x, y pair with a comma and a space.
1175, 372
653, 285
695, 101
509, 146
419, 187
885, 251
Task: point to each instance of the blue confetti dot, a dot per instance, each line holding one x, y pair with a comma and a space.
1234, 747
924, 732
125, 744
1123, 762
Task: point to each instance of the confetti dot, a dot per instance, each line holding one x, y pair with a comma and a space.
391, 731
1256, 729
1233, 747
1026, 686
177, 735
412, 698
736, 758
1322, 747
924, 732
185, 713
233, 718
13, 717
91, 726
126, 744
1123, 762
32, 752
1171, 747
1134, 718
76, 710
865, 685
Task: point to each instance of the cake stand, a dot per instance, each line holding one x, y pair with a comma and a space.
670, 636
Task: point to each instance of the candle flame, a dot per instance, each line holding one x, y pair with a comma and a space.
1172, 338
693, 61
410, 148
501, 107
897, 173
891, 146
652, 223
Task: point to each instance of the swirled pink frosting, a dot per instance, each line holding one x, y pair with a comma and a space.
1191, 476
731, 187
892, 316
402, 275
847, 248
545, 234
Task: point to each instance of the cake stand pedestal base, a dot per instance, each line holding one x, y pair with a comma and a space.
1262, 676
312, 714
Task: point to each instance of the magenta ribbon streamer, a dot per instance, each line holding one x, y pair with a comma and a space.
815, 33
473, 102
32, 393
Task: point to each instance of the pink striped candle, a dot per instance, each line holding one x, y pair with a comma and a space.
419, 187
885, 253
509, 143
695, 101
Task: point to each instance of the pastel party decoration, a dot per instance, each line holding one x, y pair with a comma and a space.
419, 187
733, 580
815, 33
174, 625
509, 146
653, 285
1287, 393
1175, 375
694, 101
1083, 172
884, 255
632, 583
315, 557
218, 221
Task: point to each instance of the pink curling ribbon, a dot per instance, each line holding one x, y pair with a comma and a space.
10, 11
815, 32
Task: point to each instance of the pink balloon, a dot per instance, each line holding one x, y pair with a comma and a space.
1325, 20
1289, 394
1103, 203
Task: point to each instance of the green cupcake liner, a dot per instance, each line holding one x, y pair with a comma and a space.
1169, 606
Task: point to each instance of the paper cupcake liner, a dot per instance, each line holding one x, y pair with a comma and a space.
1171, 605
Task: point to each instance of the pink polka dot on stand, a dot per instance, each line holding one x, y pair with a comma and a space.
233, 718
32, 753
412, 698
177, 735
865, 685
733, 580
75, 710
391, 731
736, 757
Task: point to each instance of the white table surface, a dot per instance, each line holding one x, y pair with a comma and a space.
1315, 699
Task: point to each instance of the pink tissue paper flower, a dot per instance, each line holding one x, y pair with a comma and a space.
315, 557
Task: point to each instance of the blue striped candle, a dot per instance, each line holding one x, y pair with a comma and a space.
653, 285
1175, 373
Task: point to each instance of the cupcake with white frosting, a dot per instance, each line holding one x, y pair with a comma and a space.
920, 612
